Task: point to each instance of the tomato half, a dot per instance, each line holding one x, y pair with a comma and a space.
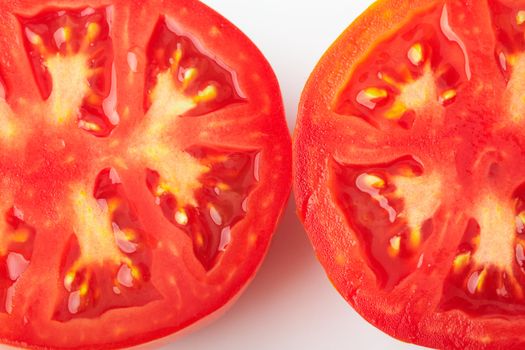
144, 162
409, 170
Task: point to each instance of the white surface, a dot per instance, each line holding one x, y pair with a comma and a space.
291, 304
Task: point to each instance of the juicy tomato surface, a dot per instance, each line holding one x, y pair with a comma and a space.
409, 165
144, 163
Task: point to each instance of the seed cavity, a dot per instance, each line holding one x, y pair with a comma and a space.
218, 198
395, 89
376, 200
105, 263
72, 59
182, 80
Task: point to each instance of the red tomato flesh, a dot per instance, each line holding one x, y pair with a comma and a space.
409, 170
140, 145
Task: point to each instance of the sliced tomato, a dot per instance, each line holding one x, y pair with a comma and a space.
140, 145
409, 163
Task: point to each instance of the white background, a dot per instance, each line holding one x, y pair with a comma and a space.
291, 304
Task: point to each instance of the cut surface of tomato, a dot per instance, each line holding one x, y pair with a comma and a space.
140, 145
408, 166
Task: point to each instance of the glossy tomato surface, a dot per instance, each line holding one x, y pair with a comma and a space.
144, 162
409, 170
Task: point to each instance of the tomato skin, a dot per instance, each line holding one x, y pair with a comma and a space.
198, 294
407, 312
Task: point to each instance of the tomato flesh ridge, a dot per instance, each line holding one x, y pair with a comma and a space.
209, 85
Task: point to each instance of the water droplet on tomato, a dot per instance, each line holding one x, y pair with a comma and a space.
370, 97
257, 166
16, 265
502, 61
225, 238
215, 216
109, 17
124, 276
362, 183
449, 33
73, 303
114, 177
32, 37
110, 103
472, 283
520, 255
19, 214
60, 37
88, 11
520, 225
10, 294
420, 261
122, 241
132, 62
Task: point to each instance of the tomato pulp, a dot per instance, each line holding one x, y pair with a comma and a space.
144, 161
409, 170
